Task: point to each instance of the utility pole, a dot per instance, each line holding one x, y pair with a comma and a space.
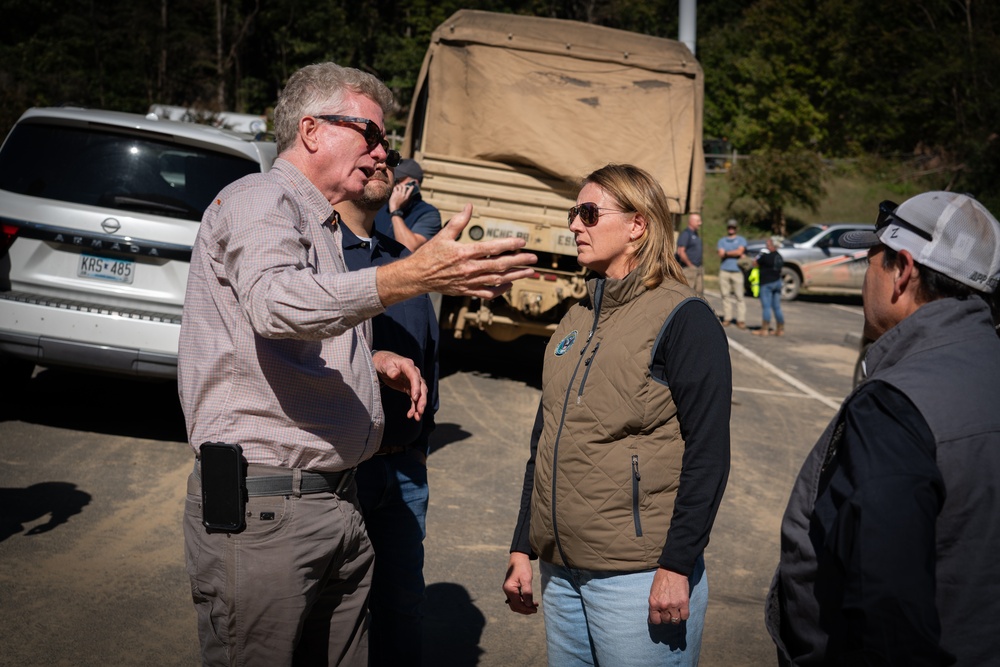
688, 24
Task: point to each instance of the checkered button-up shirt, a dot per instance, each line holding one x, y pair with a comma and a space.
275, 342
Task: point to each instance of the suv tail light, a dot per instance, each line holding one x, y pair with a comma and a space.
7, 235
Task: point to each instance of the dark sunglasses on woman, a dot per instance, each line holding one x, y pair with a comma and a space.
589, 213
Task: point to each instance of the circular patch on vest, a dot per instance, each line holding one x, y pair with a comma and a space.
566, 343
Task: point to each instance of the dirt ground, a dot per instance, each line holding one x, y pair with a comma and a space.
92, 479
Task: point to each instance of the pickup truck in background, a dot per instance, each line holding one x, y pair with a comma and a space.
511, 112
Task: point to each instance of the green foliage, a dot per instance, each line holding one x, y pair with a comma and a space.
765, 185
918, 82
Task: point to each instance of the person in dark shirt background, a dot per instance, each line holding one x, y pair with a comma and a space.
690, 253
769, 262
406, 217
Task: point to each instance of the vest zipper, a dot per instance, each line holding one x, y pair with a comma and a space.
586, 372
598, 297
635, 495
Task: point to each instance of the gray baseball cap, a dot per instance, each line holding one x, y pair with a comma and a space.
949, 232
408, 167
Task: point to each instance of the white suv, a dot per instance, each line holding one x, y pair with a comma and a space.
98, 213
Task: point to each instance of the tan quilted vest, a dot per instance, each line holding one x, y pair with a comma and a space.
609, 456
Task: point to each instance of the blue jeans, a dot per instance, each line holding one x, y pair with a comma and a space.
392, 492
770, 298
601, 619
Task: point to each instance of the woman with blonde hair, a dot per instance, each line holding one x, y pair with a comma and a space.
630, 449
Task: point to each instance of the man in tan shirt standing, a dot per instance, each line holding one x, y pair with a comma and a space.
276, 357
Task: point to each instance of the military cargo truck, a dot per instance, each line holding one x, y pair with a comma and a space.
511, 112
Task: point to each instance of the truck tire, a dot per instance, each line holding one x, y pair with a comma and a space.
791, 284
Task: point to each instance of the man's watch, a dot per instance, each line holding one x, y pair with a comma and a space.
398, 212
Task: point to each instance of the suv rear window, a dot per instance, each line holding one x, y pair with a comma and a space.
116, 170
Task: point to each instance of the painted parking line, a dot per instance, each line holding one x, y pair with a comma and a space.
772, 392
854, 310
782, 375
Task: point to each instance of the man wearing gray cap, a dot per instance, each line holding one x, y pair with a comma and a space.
407, 217
889, 543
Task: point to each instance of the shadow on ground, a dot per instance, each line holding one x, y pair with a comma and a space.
59, 500
446, 434
519, 360
453, 626
842, 299
99, 404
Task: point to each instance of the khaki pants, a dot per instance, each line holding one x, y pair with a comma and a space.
291, 588
731, 286
696, 278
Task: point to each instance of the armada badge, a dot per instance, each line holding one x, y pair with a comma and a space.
566, 343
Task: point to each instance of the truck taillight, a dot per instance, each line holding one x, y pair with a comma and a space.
7, 235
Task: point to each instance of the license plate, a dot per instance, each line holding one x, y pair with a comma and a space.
102, 268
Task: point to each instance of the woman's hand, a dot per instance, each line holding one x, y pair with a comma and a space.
517, 585
668, 597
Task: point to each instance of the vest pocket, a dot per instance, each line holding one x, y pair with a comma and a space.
635, 495
588, 363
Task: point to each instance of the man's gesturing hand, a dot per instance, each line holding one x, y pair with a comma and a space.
484, 269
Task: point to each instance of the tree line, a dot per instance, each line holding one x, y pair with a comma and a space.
793, 82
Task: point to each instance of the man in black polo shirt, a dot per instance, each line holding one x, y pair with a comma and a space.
392, 485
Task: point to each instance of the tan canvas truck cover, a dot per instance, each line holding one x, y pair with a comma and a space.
510, 113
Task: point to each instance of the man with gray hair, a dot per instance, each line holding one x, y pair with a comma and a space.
889, 543
277, 370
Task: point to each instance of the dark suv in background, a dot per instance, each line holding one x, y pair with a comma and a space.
99, 211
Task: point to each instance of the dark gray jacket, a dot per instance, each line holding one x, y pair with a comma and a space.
934, 378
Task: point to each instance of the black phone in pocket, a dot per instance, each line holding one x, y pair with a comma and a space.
223, 487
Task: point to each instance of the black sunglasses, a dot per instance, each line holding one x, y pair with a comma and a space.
887, 215
589, 213
372, 133
392, 157
885, 211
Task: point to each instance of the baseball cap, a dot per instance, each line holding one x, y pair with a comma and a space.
408, 167
731, 223
949, 232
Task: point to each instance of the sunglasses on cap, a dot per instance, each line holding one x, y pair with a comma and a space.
589, 213
887, 215
372, 133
